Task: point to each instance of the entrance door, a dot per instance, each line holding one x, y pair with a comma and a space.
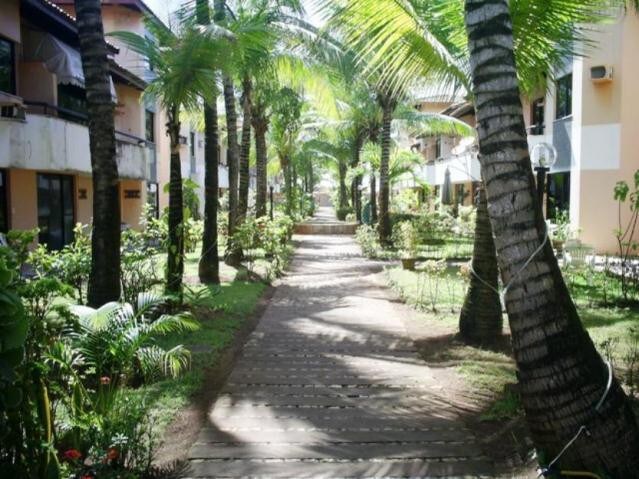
55, 210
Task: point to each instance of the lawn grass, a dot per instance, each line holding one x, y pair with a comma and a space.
614, 331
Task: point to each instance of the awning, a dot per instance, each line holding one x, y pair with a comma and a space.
58, 57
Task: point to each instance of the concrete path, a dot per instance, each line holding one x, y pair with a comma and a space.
329, 385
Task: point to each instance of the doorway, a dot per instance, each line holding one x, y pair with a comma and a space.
55, 210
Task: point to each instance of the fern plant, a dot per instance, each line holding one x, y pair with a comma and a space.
120, 343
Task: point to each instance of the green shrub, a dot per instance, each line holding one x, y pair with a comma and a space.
368, 240
342, 213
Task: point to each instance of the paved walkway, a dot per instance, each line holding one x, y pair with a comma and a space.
329, 385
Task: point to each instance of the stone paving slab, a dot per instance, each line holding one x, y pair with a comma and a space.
462, 468
329, 385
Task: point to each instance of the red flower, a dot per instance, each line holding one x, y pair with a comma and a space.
112, 453
105, 380
87, 476
72, 454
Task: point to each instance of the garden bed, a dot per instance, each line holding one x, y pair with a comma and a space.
482, 386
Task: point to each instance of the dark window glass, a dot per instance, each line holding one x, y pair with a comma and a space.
4, 210
558, 198
55, 210
72, 103
192, 144
150, 126
564, 96
7, 67
537, 117
438, 147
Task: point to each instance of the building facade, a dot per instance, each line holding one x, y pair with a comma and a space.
589, 114
45, 162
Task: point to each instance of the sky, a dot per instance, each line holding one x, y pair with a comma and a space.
162, 8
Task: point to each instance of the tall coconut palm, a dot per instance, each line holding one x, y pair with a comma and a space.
426, 42
104, 280
563, 381
562, 377
209, 265
388, 104
186, 71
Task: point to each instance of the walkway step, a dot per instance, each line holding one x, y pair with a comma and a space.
336, 228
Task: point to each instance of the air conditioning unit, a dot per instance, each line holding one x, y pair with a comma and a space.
601, 73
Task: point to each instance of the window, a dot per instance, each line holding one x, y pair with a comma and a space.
558, 198
72, 103
7, 67
564, 96
55, 210
537, 117
4, 210
149, 121
438, 148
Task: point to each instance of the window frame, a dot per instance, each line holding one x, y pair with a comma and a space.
563, 86
149, 115
14, 69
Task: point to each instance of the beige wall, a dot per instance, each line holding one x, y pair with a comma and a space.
129, 112
10, 19
37, 83
131, 208
83, 206
23, 199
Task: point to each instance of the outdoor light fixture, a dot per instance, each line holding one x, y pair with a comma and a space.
543, 156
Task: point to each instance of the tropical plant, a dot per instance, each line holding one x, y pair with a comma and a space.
209, 264
185, 68
627, 245
405, 238
104, 280
577, 391
119, 342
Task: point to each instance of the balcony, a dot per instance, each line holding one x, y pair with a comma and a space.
51, 143
463, 168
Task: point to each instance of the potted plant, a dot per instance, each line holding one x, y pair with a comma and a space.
406, 238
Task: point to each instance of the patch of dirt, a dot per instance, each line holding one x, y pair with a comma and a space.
182, 432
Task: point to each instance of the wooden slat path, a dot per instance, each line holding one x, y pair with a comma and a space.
329, 385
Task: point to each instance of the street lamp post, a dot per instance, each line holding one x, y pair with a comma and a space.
543, 156
271, 199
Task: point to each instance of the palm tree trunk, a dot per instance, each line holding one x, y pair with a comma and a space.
384, 226
245, 151
288, 186
175, 259
343, 195
373, 198
209, 267
232, 157
481, 320
260, 127
104, 280
561, 375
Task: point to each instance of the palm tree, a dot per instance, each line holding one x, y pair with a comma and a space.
480, 320
388, 104
560, 373
559, 353
209, 265
186, 71
104, 280
260, 121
